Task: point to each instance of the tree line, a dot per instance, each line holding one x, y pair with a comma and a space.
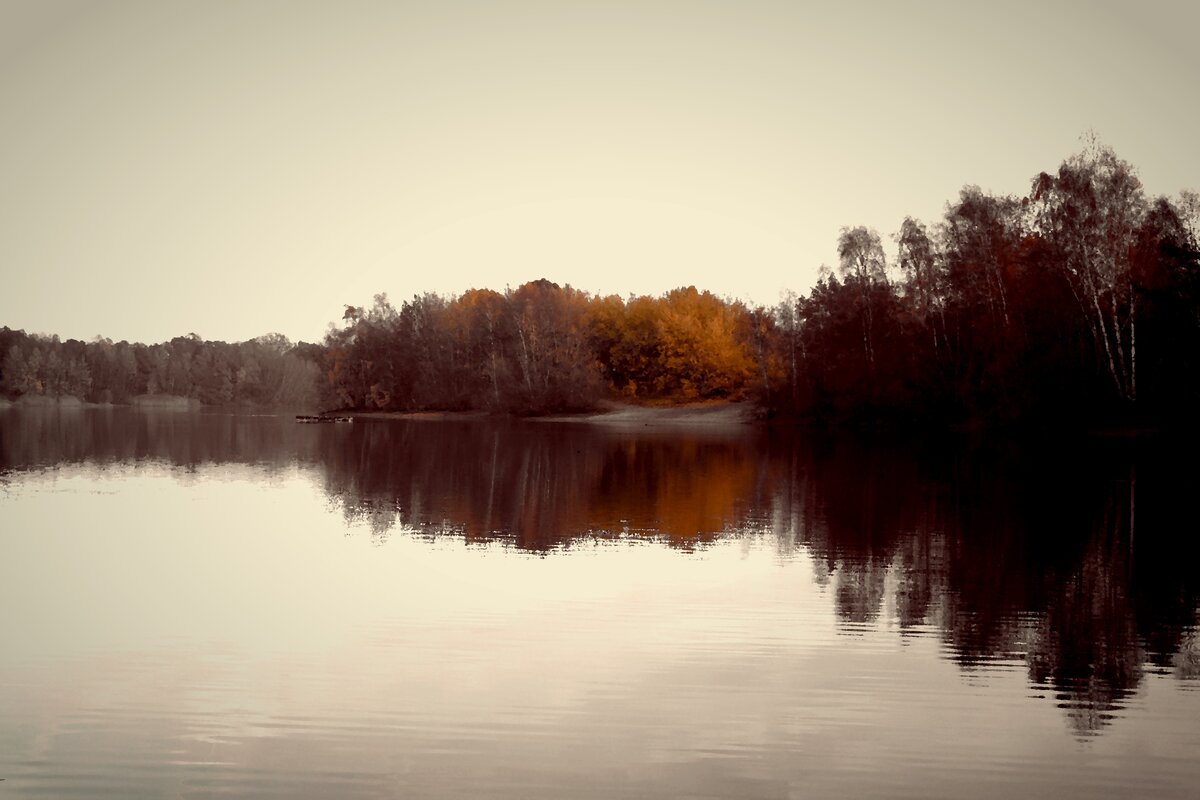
1077, 301
265, 372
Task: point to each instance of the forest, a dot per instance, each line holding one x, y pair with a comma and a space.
1077, 303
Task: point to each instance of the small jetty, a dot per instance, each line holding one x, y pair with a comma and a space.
310, 418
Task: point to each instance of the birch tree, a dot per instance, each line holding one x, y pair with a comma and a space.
1091, 211
863, 263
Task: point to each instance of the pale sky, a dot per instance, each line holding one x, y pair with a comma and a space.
235, 168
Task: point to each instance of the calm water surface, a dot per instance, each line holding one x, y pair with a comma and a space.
236, 606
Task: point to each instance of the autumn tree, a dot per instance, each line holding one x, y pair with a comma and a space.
484, 333
556, 368
628, 341
703, 354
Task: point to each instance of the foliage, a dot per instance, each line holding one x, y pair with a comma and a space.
537, 349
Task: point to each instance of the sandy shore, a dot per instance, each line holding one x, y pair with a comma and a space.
698, 414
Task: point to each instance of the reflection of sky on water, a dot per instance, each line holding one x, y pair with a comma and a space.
153, 552
237, 625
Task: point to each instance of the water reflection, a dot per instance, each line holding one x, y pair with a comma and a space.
542, 486
33, 439
1077, 561
1032, 556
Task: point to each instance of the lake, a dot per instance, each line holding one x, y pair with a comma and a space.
218, 605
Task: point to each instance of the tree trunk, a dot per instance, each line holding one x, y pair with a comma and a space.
1120, 348
1132, 345
525, 358
1100, 329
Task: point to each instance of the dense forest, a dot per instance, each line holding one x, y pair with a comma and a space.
1079, 301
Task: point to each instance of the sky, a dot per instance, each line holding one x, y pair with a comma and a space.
236, 168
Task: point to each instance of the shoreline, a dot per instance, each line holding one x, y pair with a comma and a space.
708, 414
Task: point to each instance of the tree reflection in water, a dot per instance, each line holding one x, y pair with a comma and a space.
542, 486
1019, 553
1029, 554
1077, 558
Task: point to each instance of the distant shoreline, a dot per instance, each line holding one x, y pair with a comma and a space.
145, 401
